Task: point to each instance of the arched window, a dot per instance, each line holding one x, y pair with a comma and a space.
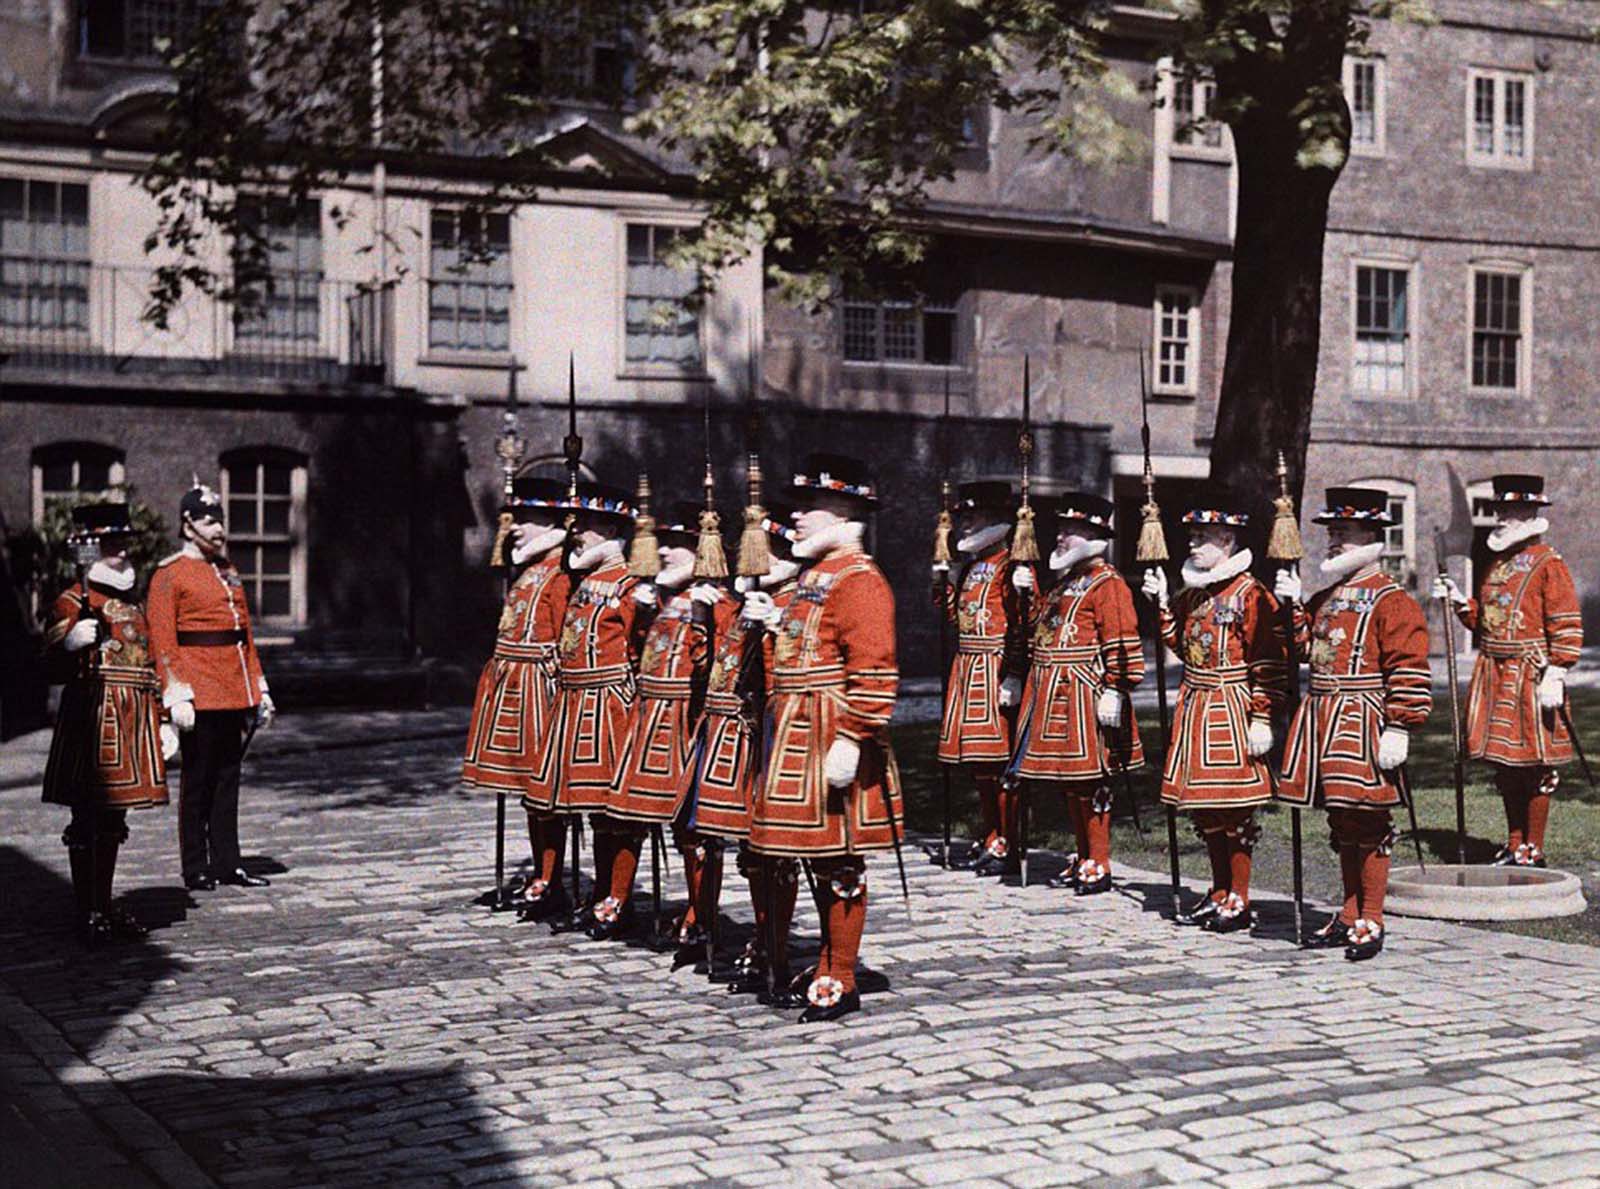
1399, 541
264, 492
66, 472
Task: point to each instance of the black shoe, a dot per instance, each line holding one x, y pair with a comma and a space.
95, 930
690, 953
989, 865
1362, 951
577, 921
965, 860
1103, 884
1504, 857
612, 930
240, 878
1236, 922
202, 882
124, 926
554, 902
848, 1003
1198, 914
1331, 936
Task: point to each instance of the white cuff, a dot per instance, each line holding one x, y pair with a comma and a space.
177, 691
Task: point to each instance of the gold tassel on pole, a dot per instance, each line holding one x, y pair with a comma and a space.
755, 551
1284, 543
943, 527
644, 554
1152, 546
1024, 543
709, 558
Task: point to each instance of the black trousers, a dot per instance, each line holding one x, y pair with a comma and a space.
208, 794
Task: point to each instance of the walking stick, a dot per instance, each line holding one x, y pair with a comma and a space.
657, 858
710, 565
1403, 782
1459, 765
572, 450
942, 557
1151, 552
85, 552
508, 448
1024, 550
1565, 713
1284, 546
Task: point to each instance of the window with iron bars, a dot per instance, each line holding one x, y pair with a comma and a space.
914, 331
44, 255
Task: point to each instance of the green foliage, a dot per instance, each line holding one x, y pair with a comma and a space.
44, 562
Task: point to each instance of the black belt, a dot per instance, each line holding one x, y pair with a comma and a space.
211, 639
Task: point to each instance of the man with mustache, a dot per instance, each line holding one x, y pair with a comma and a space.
1367, 643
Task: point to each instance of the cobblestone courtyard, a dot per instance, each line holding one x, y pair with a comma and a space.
361, 1022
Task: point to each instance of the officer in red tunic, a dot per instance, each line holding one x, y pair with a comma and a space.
980, 711
660, 743
596, 690
1529, 634
518, 684
831, 793
110, 747
1077, 726
1367, 643
729, 762
212, 686
1226, 627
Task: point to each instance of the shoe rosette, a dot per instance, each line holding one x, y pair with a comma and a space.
608, 911
824, 991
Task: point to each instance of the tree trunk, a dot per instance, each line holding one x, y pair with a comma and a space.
1269, 376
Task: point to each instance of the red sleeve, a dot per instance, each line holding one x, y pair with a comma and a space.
1563, 623
1266, 655
1172, 617
552, 610
1304, 614
1402, 632
161, 613
1117, 624
636, 620
862, 608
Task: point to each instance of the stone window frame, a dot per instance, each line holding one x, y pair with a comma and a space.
655, 220
1191, 385
495, 275
1378, 146
76, 453
1523, 271
65, 269
1496, 156
1400, 542
294, 536
1413, 337
296, 289
1169, 135
921, 307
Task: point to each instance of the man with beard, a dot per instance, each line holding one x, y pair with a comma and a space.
212, 686
109, 751
1225, 625
832, 792
1529, 634
1367, 642
1077, 727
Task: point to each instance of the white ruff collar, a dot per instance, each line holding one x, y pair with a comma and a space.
979, 542
1065, 559
1226, 569
1351, 561
596, 555
1504, 538
103, 573
845, 534
782, 570
537, 545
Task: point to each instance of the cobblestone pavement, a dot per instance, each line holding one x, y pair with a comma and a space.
361, 1022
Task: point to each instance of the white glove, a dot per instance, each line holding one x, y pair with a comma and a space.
81, 635
1109, 708
760, 609
1022, 578
1010, 692
1260, 738
182, 715
1288, 586
704, 592
841, 762
1444, 587
645, 595
1553, 688
1393, 747
1154, 586
266, 711
169, 742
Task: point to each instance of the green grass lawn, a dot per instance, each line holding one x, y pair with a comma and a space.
1573, 841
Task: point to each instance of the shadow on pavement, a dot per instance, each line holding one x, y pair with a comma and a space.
60, 1126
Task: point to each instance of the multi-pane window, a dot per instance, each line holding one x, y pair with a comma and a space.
1499, 311
44, 255
264, 493
1500, 118
660, 314
137, 30
1382, 320
900, 331
565, 50
70, 472
469, 280
287, 305
1363, 89
1177, 340
1192, 102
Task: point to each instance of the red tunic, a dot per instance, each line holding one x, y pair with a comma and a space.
1367, 641
1230, 637
833, 674
660, 743
1525, 617
191, 596
518, 685
986, 612
1085, 640
106, 750
595, 693
730, 754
